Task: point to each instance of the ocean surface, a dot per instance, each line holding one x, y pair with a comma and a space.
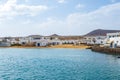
57, 64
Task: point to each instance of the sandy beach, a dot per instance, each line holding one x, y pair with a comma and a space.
70, 46
55, 46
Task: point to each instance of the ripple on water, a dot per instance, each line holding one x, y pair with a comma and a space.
57, 64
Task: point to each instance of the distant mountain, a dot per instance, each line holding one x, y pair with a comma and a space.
54, 35
100, 32
35, 36
65, 37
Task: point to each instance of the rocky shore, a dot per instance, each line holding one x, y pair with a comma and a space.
106, 50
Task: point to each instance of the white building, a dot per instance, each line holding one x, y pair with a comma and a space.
69, 41
113, 35
4, 42
38, 40
42, 43
93, 40
24, 40
113, 40
14, 41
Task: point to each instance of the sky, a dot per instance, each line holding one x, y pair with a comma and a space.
62, 17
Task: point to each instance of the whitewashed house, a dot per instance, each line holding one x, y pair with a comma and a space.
113, 40
93, 40
38, 40
69, 41
24, 40
42, 43
4, 42
14, 41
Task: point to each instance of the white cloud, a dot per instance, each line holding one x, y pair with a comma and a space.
30, 10
11, 8
79, 6
26, 0
27, 21
107, 17
61, 1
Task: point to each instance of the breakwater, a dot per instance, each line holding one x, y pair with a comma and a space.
106, 50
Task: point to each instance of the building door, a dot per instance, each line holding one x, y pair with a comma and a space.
38, 44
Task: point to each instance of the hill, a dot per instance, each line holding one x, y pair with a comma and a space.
100, 32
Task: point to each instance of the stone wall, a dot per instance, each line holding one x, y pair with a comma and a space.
106, 50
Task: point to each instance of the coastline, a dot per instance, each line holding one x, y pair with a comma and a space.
106, 50
55, 46
71, 46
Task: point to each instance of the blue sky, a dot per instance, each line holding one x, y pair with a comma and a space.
63, 17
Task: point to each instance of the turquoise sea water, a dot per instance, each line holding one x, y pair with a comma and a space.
57, 64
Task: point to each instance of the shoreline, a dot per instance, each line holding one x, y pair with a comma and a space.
55, 46
106, 50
